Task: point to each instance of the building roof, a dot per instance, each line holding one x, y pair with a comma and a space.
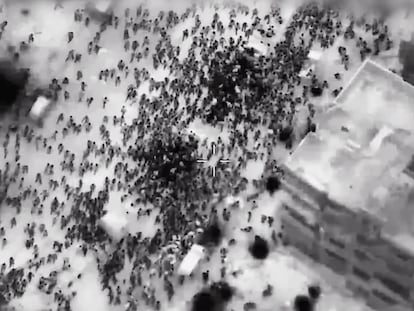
406, 50
362, 147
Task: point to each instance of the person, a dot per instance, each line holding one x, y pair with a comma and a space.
70, 36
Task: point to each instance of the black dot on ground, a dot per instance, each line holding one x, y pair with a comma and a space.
212, 235
302, 303
285, 134
222, 290
316, 91
25, 12
314, 291
272, 184
259, 248
203, 301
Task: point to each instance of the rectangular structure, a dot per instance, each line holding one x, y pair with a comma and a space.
354, 177
39, 108
191, 260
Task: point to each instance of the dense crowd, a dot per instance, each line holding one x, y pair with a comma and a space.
220, 80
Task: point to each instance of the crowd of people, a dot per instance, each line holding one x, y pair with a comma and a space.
219, 80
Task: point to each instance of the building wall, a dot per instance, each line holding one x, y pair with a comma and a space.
375, 268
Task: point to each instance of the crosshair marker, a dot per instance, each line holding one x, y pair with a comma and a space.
214, 151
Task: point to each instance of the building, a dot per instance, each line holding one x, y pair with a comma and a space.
405, 52
352, 189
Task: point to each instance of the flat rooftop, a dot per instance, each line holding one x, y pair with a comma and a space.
362, 146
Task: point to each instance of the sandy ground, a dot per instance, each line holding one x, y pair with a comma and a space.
288, 272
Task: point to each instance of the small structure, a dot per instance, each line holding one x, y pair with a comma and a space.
191, 260
39, 108
114, 224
